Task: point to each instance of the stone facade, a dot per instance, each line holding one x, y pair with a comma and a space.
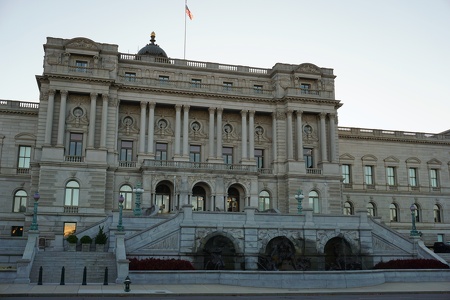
221, 138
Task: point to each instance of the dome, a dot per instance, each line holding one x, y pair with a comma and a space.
152, 49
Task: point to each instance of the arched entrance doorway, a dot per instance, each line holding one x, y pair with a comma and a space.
279, 255
339, 256
233, 199
198, 199
163, 197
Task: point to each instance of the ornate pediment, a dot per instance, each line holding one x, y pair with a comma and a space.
308, 68
346, 156
391, 159
82, 43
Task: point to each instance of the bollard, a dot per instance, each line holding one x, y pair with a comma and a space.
84, 276
62, 276
105, 278
40, 276
127, 283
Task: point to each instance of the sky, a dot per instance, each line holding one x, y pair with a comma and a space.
391, 57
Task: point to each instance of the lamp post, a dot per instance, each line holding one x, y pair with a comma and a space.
299, 197
137, 205
34, 224
119, 226
414, 231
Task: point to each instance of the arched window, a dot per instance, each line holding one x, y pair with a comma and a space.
393, 211
313, 198
417, 212
20, 201
348, 208
264, 200
437, 214
72, 193
127, 192
162, 198
198, 198
371, 209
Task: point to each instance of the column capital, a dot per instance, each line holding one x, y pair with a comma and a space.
178, 107
63, 93
289, 112
211, 110
105, 97
299, 112
332, 115
151, 104
93, 95
322, 115
220, 109
186, 107
244, 112
143, 104
251, 112
51, 92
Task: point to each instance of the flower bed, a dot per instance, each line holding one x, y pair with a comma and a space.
160, 264
411, 264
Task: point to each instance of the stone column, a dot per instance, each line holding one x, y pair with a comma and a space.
211, 132
186, 130
274, 136
91, 133
299, 136
177, 129
62, 119
151, 126
333, 137
251, 134
323, 137
49, 120
142, 127
244, 134
289, 143
219, 133
104, 121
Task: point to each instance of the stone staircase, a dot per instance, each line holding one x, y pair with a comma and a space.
74, 263
445, 256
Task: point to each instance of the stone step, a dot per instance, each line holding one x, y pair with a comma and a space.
74, 263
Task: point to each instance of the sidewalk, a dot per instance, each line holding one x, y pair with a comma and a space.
211, 289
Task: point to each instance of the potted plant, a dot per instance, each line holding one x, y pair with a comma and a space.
100, 240
86, 243
72, 240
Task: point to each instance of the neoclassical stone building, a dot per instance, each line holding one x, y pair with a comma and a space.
218, 137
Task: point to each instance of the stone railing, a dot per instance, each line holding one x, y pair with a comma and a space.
19, 105
391, 134
150, 163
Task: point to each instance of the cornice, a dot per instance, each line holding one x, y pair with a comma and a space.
394, 139
76, 78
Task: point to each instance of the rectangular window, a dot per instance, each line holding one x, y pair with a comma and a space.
368, 175
76, 144
258, 89
131, 77
390, 173
440, 238
16, 230
308, 157
161, 151
163, 80
346, 174
194, 153
126, 150
434, 180
227, 153
69, 228
259, 156
81, 66
196, 83
412, 174
305, 88
227, 86
24, 157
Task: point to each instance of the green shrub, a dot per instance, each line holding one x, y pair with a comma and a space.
72, 239
101, 237
418, 263
86, 239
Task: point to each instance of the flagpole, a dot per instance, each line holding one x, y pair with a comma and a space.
185, 5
